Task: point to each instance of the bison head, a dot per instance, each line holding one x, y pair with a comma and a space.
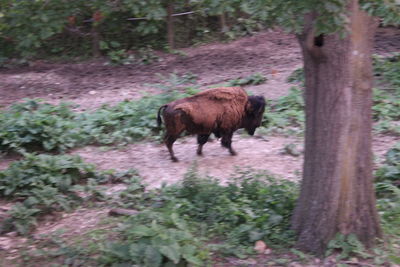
254, 113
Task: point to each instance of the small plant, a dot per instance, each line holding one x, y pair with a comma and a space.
297, 76
387, 186
154, 239
390, 171
116, 54
286, 114
387, 70
33, 125
244, 27
173, 82
38, 171
291, 149
128, 121
348, 245
386, 106
386, 112
254, 79
146, 55
22, 219
43, 184
120, 57
252, 206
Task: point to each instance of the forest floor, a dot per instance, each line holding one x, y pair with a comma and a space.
91, 84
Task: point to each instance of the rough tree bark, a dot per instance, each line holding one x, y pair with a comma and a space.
337, 194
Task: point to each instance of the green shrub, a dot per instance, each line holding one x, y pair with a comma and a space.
33, 125
390, 171
387, 71
42, 184
153, 239
387, 184
286, 114
386, 112
38, 171
349, 245
297, 76
127, 121
251, 206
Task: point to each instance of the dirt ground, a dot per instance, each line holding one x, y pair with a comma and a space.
272, 53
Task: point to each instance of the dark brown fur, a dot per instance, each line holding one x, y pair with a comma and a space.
220, 111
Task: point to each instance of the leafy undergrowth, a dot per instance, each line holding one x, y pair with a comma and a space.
387, 71
36, 126
32, 125
128, 121
386, 111
254, 79
199, 221
285, 115
186, 217
388, 191
45, 184
186, 224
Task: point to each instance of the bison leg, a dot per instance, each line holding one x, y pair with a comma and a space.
201, 140
169, 141
226, 141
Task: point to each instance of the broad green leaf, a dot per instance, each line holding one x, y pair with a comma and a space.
152, 257
172, 252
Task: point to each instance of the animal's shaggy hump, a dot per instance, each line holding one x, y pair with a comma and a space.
223, 94
216, 108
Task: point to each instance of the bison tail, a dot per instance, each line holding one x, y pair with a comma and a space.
159, 121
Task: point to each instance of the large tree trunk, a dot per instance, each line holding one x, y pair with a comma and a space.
337, 194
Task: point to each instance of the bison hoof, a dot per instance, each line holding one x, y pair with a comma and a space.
174, 159
233, 153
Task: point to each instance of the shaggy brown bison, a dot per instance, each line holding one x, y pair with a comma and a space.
220, 111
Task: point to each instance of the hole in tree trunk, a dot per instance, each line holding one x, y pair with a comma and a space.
319, 40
